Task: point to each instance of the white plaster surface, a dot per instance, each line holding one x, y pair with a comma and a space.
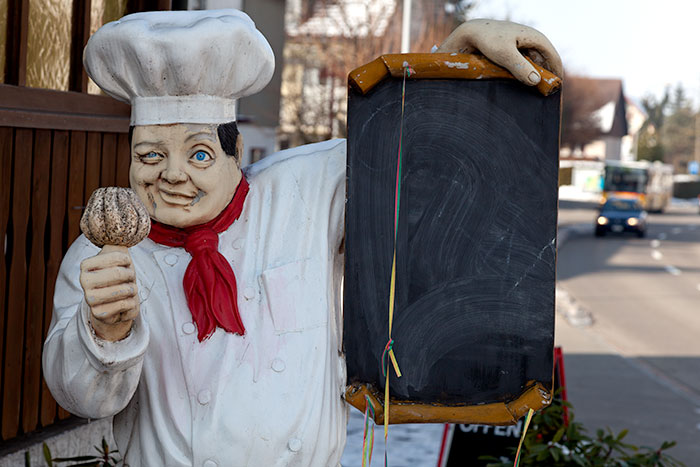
74, 442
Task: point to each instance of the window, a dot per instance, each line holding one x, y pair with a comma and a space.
48, 44
102, 12
256, 154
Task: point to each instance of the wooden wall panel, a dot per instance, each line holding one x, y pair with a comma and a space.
16, 42
15, 310
6, 144
76, 183
34, 314
55, 149
55, 225
123, 160
46, 177
92, 164
78, 80
109, 161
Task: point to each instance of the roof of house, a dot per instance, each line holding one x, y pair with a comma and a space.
608, 100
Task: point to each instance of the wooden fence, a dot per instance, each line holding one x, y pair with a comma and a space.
55, 149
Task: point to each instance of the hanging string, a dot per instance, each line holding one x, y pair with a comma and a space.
368, 441
388, 349
528, 418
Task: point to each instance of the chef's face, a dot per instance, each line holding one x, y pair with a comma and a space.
181, 173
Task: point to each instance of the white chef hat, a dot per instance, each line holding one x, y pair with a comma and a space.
180, 66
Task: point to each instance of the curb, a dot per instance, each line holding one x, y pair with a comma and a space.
565, 304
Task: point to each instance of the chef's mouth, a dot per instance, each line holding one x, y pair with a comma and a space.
175, 197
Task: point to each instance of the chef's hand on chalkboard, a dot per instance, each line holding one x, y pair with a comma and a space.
504, 43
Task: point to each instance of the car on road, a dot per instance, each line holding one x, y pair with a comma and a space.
620, 215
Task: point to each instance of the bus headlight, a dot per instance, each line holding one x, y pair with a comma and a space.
602, 220
632, 221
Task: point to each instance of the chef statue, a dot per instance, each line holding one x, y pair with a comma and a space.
216, 339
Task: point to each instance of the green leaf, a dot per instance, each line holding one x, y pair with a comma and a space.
559, 434
579, 460
47, 455
667, 445
555, 454
76, 459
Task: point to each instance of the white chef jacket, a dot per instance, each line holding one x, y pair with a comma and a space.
269, 398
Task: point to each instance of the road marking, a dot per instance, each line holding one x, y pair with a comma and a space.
657, 255
674, 271
655, 243
676, 230
662, 236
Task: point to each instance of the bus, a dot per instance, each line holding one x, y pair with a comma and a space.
649, 182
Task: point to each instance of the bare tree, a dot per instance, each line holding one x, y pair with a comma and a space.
325, 44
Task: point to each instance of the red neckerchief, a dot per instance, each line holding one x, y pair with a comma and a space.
209, 282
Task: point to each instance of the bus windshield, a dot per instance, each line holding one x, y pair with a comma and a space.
625, 179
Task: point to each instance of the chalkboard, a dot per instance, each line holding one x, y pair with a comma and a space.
474, 317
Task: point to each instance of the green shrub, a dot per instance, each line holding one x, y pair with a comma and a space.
550, 442
104, 457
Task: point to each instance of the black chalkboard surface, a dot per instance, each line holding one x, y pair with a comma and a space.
474, 318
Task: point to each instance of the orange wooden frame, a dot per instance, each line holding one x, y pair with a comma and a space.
445, 66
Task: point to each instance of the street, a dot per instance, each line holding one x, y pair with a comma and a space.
638, 365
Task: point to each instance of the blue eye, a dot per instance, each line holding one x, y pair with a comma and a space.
201, 156
151, 157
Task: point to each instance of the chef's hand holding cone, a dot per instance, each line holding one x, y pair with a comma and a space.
114, 219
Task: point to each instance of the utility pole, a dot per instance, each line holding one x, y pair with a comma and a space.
406, 27
697, 132
697, 136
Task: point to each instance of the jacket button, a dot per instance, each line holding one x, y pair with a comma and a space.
170, 259
188, 328
294, 444
209, 463
237, 244
278, 365
204, 397
249, 293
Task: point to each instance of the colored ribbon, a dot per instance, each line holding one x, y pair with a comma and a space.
388, 349
209, 282
368, 442
528, 418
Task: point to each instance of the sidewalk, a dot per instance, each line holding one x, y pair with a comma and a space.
633, 396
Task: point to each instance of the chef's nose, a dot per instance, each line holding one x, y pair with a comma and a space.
174, 171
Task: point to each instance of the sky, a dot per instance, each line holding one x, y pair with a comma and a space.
649, 44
